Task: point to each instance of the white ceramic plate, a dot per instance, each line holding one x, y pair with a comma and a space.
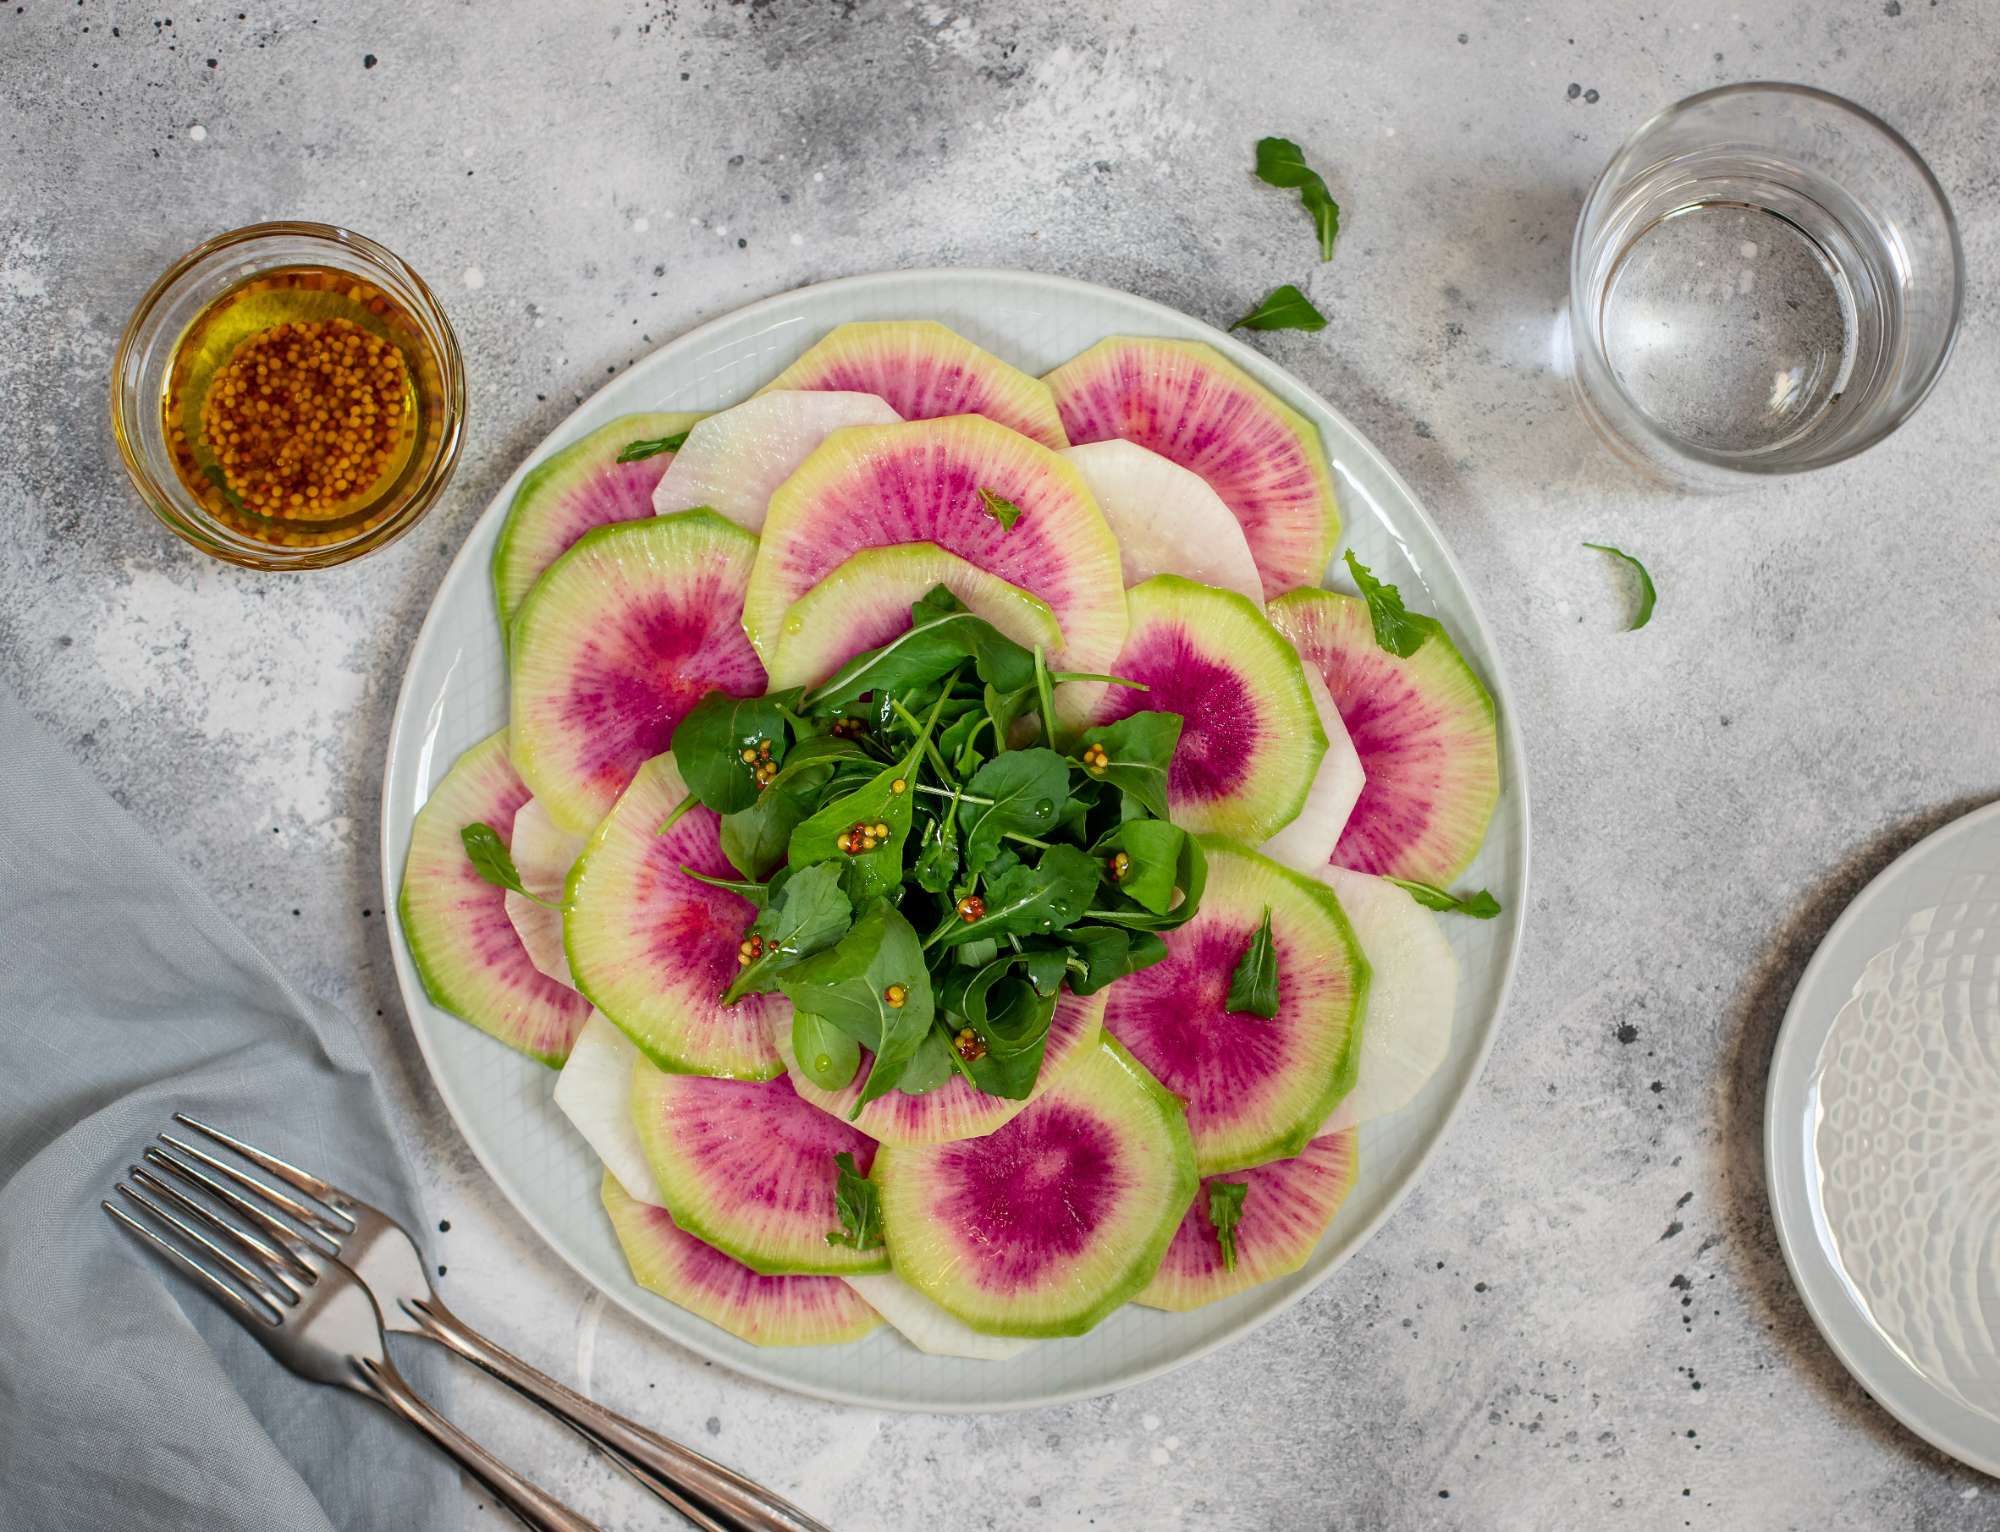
1882, 1138
454, 695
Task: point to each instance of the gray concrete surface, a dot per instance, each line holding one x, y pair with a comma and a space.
1580, 1318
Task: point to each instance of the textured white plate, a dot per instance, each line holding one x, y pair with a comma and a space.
454, 694
1882, 1138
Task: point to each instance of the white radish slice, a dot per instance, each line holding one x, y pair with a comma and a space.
1306, 844
1165, 517
594, 1091
928, 1327
732, 461
1412, 995
543, 856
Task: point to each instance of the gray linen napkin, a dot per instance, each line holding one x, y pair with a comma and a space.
128, 1399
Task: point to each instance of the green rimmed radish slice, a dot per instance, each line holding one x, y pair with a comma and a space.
464, 946
654, 948
575, 489
765, 1311
866, 602
924, 371
1412, 995
953, 1110
1286, 1207
1181, 399
543, 856
749, 1168
869, 486
615, 645
1306, 844
1424, 729
1166, 518
1047, 1225
1250, 740
926, 1326
594, 1091
1255, 1089
732, 461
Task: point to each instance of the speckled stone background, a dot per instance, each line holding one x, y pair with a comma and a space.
1580, 1318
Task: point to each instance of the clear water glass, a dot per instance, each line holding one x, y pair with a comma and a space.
1766, 279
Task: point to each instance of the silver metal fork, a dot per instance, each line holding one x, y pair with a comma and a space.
310, 1312
382, 1253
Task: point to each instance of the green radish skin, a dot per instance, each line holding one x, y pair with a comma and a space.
1047, 1225
749, 1168
765, 1311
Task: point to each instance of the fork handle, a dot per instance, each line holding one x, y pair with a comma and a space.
723, 1500
540, 1511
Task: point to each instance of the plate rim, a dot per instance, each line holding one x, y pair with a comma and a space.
1814, 1277
1268, 372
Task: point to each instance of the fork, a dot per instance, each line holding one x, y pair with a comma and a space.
382, 1253
311, 1313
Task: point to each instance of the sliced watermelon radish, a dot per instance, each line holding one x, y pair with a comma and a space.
1425, 732
564, 496
1047, 1225
615, 644
920, 482
1255, 1089
1250, 740
594, 1091
953, 1110
926, 1326
748, 1167
925, 371
463, 944
732, 461
1179, 398
654, 949
1166, 518
1306, 844
1412, 995
543, 856
1287, 1205
765, 1311
866, 602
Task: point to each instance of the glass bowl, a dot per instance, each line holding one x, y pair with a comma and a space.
141, 372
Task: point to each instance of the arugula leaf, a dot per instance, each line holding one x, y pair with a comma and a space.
1000, 508
825, 1055
1152, 850
1253, 987
1191, 877
1012, 1036
939, 639
1018, 792
1100, 955
1137, 750
493, 862
1024, 900
675, 813
754, 839
1647, 595
878, 801
710, 743
1003, 708
858, 1205
1480, 906
758, 894
930, 1066
1046, 968
937, 862
652, 446
1045, 696
1225, 1212
1285, 309
855, 986
1280, 162
809, 913
1395, 629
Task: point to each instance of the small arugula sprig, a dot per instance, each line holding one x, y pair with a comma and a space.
1286, 308
1253, 987
494, 863
1480, 905
1396, 629
1225, 1212
652, 446
1643, 612
1280, 162
858, 1205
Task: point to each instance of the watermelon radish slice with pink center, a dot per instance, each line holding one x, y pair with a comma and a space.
1306, 844
543, 856
1166, 519
615, 645
1048, 1224
953, 1110
1424, 730
654, 949
1287, 1205
1256, 1089
925, 371
1181, 399
594, 1091
464, 946
732, 461
920, 482
765, 1311
748, 1167
1250, 740
564, 496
